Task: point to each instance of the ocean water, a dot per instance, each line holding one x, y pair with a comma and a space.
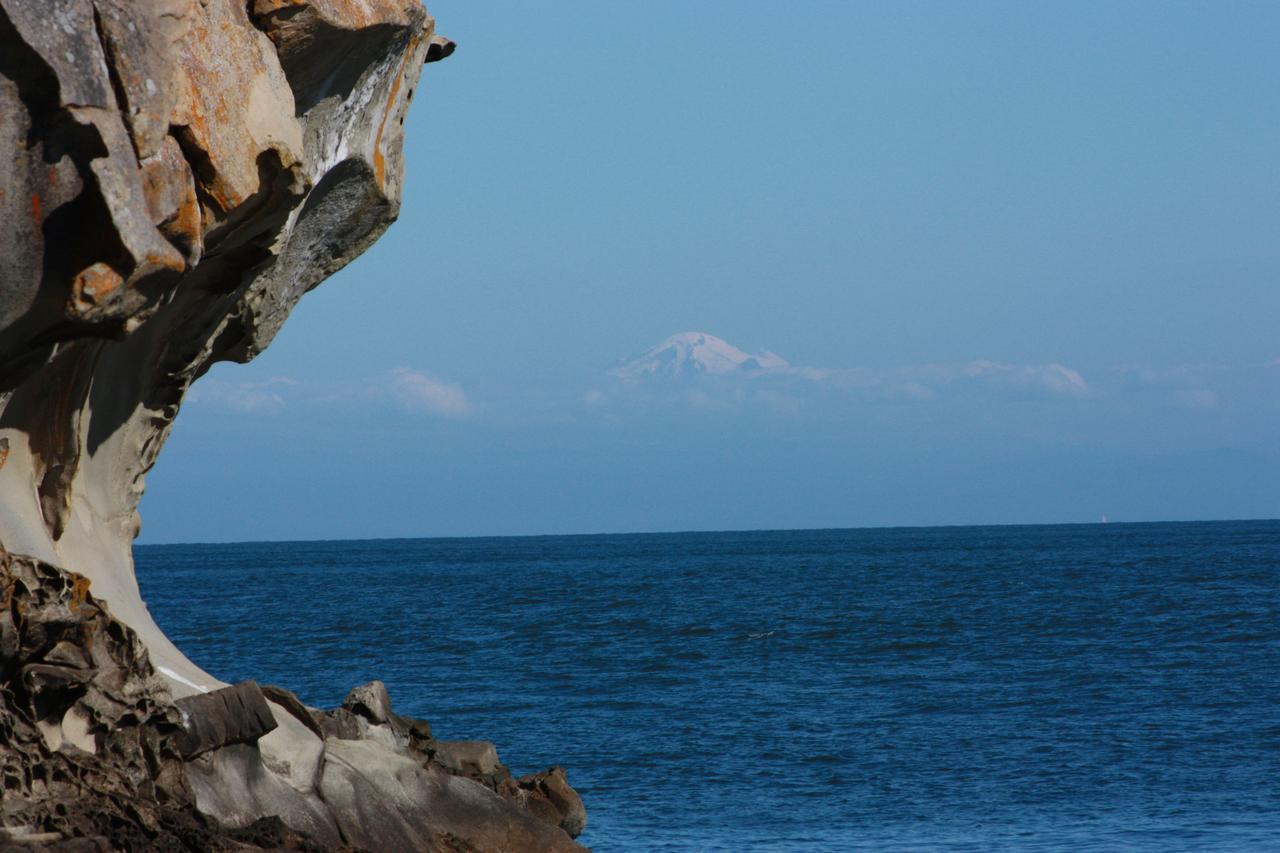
1105, 687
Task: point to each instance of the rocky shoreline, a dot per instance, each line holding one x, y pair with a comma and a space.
179, 174
95, 754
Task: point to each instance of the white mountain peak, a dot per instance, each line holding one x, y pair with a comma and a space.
697, 353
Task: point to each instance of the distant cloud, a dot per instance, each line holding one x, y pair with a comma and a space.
246, 397
1187, 386
1183, 376
930, 381
404, 387
424, 393
1053, 377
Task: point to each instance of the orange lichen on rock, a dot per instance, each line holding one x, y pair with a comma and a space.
234, 102
379, 160
93, 286
169, 187
79, 590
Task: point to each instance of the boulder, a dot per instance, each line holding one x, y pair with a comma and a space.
427, 806
549, 795
369, 701
232, 715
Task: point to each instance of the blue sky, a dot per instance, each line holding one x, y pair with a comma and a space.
934, 209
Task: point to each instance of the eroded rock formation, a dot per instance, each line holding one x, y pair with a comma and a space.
178, 174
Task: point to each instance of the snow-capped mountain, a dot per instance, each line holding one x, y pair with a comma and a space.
694, 354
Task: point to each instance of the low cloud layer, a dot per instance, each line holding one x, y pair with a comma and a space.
424, 393
928, 381
740, 382
1200, 386
404, 388
245, 397
674, 375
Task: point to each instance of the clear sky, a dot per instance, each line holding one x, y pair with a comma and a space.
943, 215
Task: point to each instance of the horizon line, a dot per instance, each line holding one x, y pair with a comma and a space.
603, 534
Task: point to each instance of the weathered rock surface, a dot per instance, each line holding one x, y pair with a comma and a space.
89, 733
177, 174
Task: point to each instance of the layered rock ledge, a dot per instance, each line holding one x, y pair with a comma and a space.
179, 174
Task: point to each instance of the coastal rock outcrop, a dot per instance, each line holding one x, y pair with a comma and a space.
178, 173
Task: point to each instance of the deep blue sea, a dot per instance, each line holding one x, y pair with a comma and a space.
1091, 687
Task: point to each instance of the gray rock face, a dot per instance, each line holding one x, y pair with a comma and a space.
177, 174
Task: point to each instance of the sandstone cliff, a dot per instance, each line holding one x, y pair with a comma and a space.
179, 174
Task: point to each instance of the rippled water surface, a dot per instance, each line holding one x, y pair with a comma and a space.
1065, 687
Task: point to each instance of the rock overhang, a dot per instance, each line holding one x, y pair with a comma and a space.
182, 173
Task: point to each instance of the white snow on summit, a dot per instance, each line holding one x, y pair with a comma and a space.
697, 353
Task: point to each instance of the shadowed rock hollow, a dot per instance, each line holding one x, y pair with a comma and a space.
178, 174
